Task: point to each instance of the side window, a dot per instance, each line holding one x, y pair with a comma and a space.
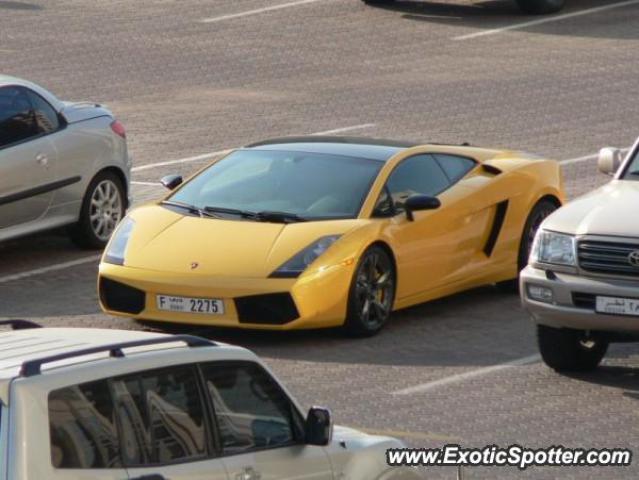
251, 410
82, 427
161, 417
421, 175
454, 166
17, 121
45, 116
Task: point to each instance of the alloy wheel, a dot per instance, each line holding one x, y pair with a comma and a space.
375, 284
105, 211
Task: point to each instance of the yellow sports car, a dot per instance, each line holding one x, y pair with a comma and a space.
311, 232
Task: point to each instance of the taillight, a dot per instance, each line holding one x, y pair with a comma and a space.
118, 128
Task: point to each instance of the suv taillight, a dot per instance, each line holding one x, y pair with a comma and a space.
118, 128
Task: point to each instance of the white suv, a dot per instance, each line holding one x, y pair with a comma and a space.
109, 404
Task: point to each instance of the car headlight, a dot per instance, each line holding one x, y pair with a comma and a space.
116, 250
553, 248
296, 265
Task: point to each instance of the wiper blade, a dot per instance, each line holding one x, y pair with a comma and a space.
186, 206
231, 211
285, 217
263, 216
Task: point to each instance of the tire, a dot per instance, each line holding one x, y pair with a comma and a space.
538, 214
372, 293
568, 350
540, 7
103, 206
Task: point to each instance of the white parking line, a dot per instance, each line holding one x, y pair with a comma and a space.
50, 268
148, 184
585, 158
555, 18
258, 11
461, 377
345, 129
206, 156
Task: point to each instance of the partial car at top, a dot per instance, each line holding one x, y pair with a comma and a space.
535, 7
327, 232
61, 164
582, 284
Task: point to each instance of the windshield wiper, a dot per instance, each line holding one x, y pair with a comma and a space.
263, 216
284, 217
190, 208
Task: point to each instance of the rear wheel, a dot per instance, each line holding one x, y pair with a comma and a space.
538, 214
371, 295
102, 209
540, 7
568, 350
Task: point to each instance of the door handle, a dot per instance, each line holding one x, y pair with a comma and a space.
153, 476
42, 159
249, 473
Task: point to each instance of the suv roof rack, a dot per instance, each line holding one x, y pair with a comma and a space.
31, 368
20, 324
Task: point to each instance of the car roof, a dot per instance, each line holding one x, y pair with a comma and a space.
20, 346
361, 147
7, 80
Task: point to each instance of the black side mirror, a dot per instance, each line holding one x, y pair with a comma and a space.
171, 181
319, 426
420, 202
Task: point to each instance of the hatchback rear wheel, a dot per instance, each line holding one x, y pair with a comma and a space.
103, 207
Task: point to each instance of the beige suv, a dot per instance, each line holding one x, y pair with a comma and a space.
109, 404
581, 286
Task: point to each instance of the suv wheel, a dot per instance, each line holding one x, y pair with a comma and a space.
102, 209
568, 350
540, 7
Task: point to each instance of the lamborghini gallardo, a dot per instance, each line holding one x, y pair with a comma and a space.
310, 232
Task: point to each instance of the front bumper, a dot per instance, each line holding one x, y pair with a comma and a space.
573, 301
311, 301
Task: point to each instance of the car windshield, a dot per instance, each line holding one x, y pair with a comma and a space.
267, 185
632, 172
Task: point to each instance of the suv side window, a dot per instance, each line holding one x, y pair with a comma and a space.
251, 410
17, 121
161, 416
82, 427
46, 117
418, 175
455, 167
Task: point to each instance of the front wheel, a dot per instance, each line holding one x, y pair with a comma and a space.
371, 295
540, 7
102, 208
568, 350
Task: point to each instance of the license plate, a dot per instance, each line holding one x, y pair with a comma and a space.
206, 306
618, 306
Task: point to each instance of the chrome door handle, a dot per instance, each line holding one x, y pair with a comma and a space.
249, 473
42, 159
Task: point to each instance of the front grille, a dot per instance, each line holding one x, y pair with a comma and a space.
584, 300
119, 297
269, 309
609, 258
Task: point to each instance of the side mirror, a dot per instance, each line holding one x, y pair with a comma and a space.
420, 202
609, 160
319, 426
171, 181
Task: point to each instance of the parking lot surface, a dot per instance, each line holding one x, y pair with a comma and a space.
191, 79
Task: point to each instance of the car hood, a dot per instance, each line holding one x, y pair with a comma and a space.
609, 210
167, 241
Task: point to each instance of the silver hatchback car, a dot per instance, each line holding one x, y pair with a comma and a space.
61, 164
